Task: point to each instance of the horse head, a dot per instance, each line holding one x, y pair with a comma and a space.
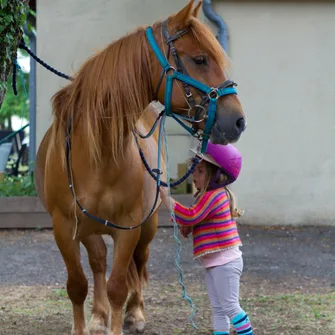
189, 70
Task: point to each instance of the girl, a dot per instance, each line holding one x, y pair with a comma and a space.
215, 237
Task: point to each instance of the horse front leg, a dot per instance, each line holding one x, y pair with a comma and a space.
135, 314
121, 279
97, 251
77, 285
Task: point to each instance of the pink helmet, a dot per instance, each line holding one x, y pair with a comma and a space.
227, 157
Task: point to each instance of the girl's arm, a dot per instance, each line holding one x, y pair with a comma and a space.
165, 198
190, 216
184, 230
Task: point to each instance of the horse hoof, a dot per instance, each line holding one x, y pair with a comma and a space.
133, 325
97, 326
102, 330
80, 332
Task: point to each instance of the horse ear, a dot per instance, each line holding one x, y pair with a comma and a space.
197, 8
182, 18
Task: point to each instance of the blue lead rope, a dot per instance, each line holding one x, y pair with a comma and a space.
176, 233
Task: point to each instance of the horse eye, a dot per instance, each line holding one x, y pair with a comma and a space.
200, 60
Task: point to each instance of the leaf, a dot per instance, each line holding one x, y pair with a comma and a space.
7, 20
15, 104
32, 13
30, 27
3, 3
9, 39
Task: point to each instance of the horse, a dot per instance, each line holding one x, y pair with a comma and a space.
88, 164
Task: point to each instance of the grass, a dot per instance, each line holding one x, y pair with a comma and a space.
275, 314
60, 292
293, 313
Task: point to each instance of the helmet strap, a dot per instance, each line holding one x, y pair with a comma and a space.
214, 183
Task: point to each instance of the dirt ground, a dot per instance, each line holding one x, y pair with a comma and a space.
287, 288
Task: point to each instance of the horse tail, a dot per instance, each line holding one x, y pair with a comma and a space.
133, 280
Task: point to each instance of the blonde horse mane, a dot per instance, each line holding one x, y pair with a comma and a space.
111, 90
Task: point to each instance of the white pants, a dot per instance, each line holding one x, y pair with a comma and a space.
223, 285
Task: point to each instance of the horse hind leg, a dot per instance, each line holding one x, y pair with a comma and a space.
135, 314
77, 285
97, 251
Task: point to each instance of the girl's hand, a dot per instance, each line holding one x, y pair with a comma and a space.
237, 212
185, 230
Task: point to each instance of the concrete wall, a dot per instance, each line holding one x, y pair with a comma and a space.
283, 59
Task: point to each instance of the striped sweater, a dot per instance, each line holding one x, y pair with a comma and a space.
214, 229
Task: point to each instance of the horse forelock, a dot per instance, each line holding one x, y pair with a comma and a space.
209, 44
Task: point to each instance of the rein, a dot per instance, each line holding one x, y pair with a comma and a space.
84, 211
154, 173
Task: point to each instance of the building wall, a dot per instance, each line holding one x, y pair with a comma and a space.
283, 60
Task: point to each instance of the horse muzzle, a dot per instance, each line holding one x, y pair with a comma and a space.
228, 129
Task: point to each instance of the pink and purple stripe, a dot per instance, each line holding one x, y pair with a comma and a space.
214, 229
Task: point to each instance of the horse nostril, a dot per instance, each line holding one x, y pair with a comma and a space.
240, 124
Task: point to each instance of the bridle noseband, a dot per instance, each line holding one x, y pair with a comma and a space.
209, 95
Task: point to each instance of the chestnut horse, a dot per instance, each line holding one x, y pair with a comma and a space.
89, 162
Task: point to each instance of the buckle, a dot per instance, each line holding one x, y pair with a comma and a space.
157, 171
213, 94
171, 68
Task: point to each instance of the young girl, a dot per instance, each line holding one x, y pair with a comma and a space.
215, 237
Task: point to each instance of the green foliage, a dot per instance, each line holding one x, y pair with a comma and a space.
3, 85
13, 14
17, 186
15, 104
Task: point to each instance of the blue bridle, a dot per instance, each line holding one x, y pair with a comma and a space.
211, 94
